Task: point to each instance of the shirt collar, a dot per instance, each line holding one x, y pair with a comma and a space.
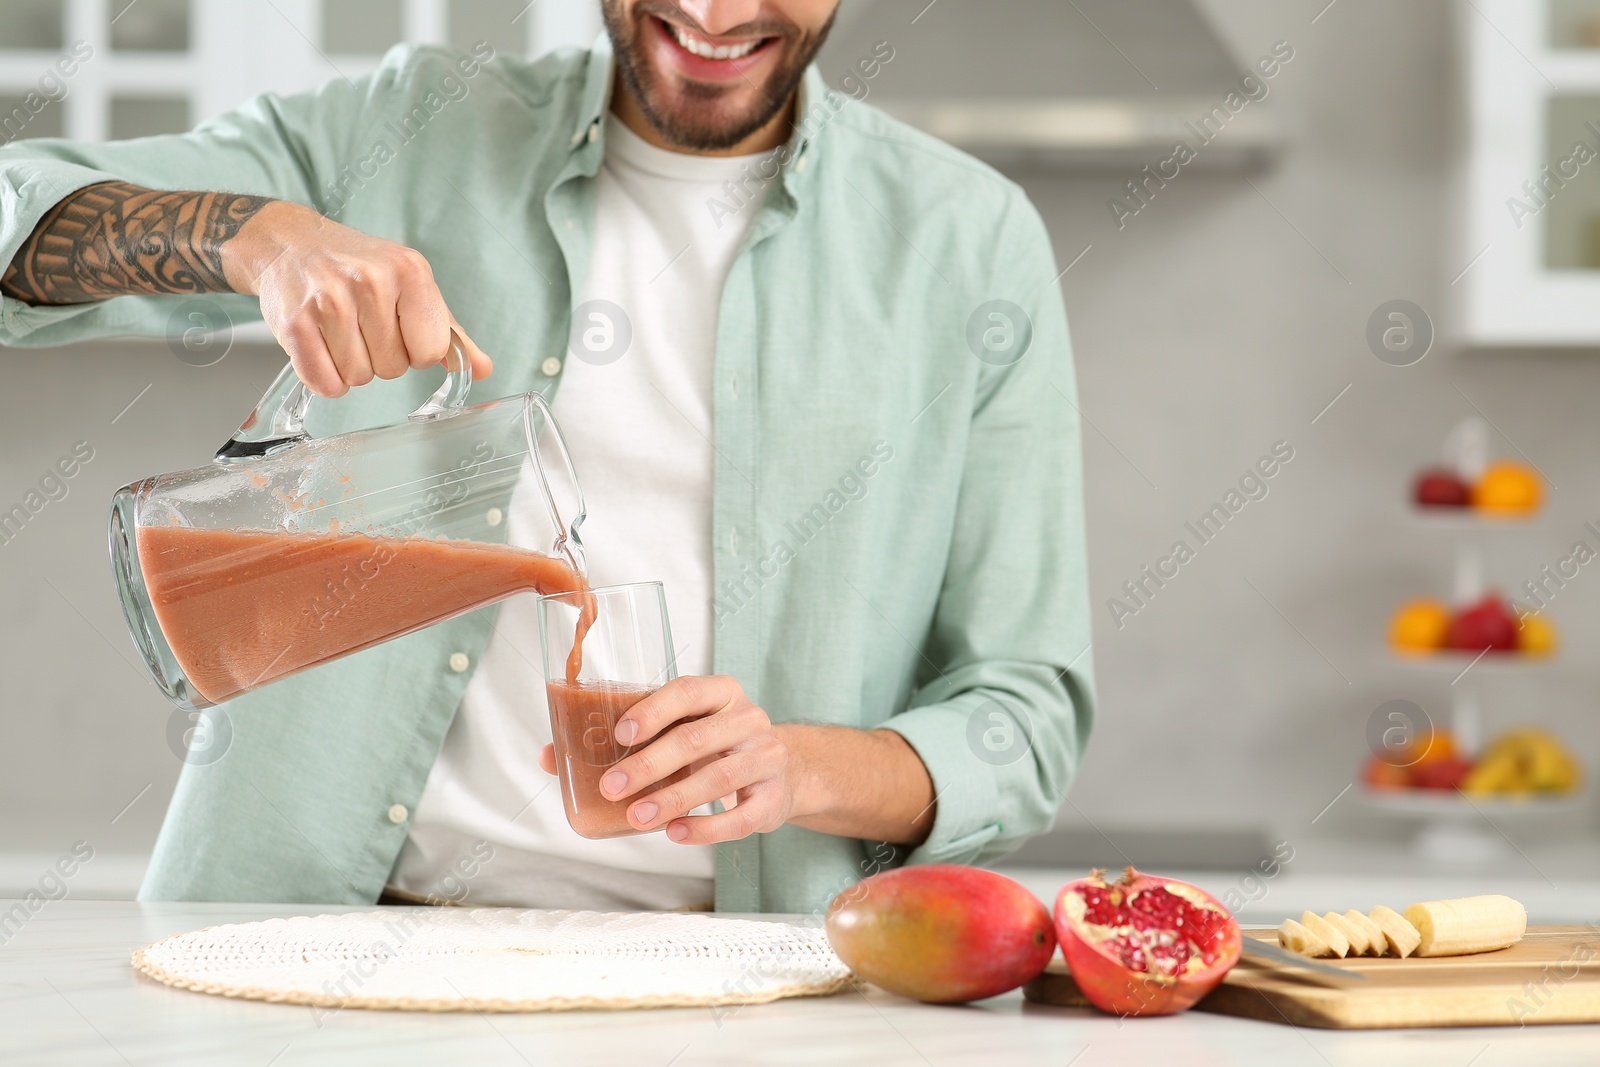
815, 107
596, 96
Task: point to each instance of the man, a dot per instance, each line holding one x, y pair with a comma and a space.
841, 428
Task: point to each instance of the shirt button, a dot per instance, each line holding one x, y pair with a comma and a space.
459, 661
800, 164
398, 813
594, 133
493, 516
550, 367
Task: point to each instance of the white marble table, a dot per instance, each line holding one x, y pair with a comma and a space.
68, 997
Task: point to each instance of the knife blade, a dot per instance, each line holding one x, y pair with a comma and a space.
1266, 950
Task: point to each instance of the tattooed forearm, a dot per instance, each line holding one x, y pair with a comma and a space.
114, 239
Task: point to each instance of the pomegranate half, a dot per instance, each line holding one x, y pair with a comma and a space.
1144, 945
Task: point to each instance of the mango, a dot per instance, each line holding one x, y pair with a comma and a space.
941, 933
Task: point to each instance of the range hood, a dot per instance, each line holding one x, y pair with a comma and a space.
1076, 84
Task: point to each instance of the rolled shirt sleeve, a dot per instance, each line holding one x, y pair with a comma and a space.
287, 148
1002, 722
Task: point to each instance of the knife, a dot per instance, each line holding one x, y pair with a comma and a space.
1267, 951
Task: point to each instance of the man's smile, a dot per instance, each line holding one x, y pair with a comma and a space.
700, 57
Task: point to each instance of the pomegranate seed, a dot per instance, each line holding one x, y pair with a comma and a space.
1149, 925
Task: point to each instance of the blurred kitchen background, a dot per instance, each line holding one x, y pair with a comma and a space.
1223, 310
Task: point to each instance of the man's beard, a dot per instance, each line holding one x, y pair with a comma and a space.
699, 128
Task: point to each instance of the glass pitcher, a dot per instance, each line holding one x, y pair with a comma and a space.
287, 551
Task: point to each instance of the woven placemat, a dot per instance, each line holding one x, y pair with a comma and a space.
500, 959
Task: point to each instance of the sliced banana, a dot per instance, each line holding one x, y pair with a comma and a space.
1329, 933
1377, 944
1432, 928
1403, 938
1352, 933
1296, 938
1467, 925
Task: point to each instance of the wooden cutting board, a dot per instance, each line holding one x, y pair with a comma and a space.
1551, 976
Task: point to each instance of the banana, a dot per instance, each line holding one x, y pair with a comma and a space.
1432, 928
1402, 937
1330, 934
1549, 768
1296, 938
1467, 925
1491, 776
1356, 936
1377, 944
1521, 762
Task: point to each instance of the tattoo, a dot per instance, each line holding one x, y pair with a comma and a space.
116, 239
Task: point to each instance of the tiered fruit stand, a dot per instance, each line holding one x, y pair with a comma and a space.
1452, 826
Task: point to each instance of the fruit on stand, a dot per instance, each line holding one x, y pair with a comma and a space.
1505, 489
1488, 624
1382, 774
1537, 636
1437, 746
1144, 945
1458, 927
1422, 764
1447, 774
1522, 763
941, 933
1468, 925
1439, 487
1508, 488
1444, 773
1419, 626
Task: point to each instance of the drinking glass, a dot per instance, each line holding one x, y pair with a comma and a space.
604, 651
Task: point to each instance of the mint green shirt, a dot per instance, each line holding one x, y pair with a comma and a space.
897, 522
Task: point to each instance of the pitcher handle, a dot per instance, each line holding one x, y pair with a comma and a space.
568, 542
279, 419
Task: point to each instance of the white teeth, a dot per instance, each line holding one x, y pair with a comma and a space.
705, 50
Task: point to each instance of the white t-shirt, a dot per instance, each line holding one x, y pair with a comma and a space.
639, 430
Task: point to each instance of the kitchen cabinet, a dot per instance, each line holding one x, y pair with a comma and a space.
140, 67
1527, 269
